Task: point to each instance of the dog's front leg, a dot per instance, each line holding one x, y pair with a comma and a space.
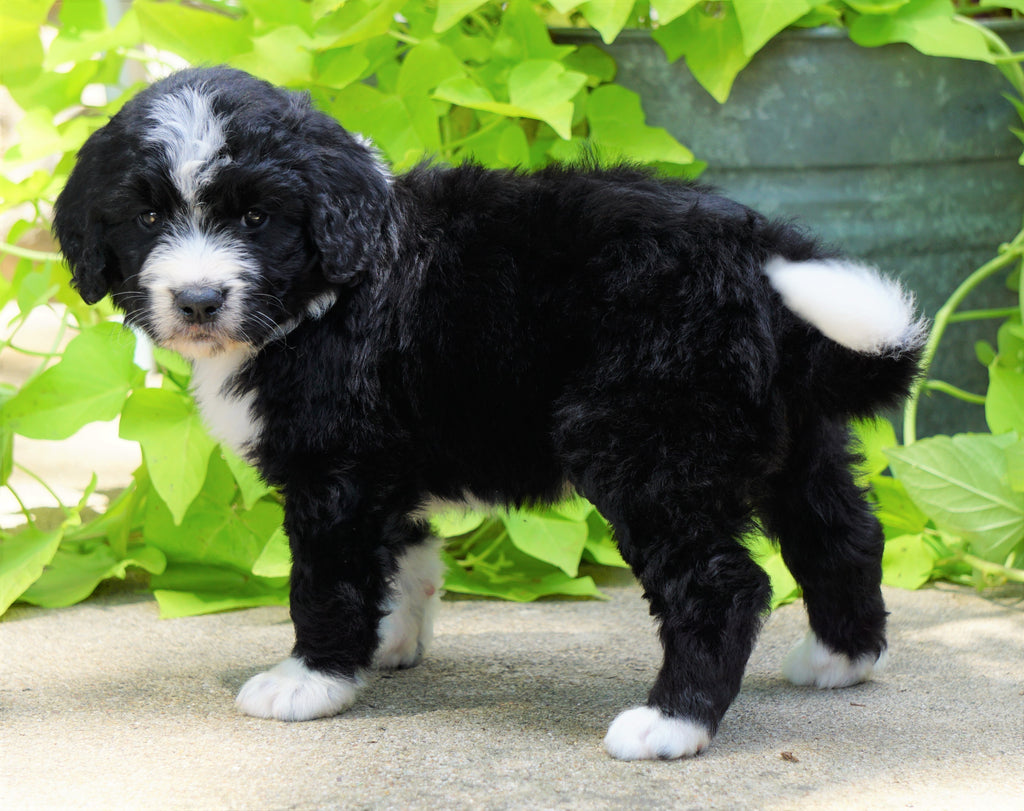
339, 583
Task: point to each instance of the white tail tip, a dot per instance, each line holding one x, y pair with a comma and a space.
853, 305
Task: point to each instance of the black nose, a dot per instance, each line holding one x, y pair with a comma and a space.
199, 305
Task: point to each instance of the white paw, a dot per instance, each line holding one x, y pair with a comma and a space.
291, 691
812, 662
644, 733
407, 628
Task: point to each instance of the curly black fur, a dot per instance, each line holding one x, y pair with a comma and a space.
499, 334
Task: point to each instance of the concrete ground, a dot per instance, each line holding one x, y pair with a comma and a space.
105, 706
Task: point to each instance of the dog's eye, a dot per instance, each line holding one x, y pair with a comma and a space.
254, 218
149, 219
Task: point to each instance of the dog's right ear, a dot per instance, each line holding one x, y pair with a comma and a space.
77, 224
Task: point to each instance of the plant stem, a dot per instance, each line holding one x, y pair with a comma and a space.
39, 480
401, 37
986, 567
981, 315
1010, 253
954, 391
1005, 60
28, 253
490, 125
21, 504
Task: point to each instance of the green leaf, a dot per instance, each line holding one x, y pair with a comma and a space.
251, 486
340, 67
449, 12
595, 63
1004, 403
200, 37
276, 558
961, 482
189, 590
36, 288
427, 65
895, 509
608, 17
668, 10
275, 14
174, 444
89, 384
23, 557
283, 56
1015, 465
502, 146
984, 352
357, 21
525, 583
618, 129
710, 38
214, 531
523, 35
873, 438
76, 570
930, 26
876, 6
453, 523
760, 20
603, 550
6, 437
21, 24
784, 587
544, 88
403, 127
548, 537
573, 509
538, 88
907, 562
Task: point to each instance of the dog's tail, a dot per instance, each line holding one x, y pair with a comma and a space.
866, 351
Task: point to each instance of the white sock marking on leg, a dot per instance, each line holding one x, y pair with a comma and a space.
290, 691
645, 733
812, 662
408, 627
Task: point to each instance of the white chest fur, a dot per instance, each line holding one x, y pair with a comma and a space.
228, 416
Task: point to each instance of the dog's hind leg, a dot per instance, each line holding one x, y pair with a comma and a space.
679, 520
832, 544
407, 628
710, 599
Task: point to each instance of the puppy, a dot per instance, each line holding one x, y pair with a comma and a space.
375, 343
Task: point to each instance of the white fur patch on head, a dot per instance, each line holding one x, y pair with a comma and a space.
189, 256
192, 137
291, 691
645, 733
228, 417
812, 662
406, 630
853, 305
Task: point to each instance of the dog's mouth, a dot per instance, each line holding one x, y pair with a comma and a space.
194, 347
201, 340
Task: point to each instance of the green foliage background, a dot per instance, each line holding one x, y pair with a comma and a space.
456, 80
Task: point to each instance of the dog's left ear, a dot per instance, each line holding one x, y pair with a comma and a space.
352, 222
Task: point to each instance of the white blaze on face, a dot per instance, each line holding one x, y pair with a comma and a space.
191, 254
192, 136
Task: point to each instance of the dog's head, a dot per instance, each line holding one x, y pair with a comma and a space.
217, 210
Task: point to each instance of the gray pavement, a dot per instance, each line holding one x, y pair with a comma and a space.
105, 706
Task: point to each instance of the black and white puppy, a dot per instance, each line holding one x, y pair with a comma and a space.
375, 344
